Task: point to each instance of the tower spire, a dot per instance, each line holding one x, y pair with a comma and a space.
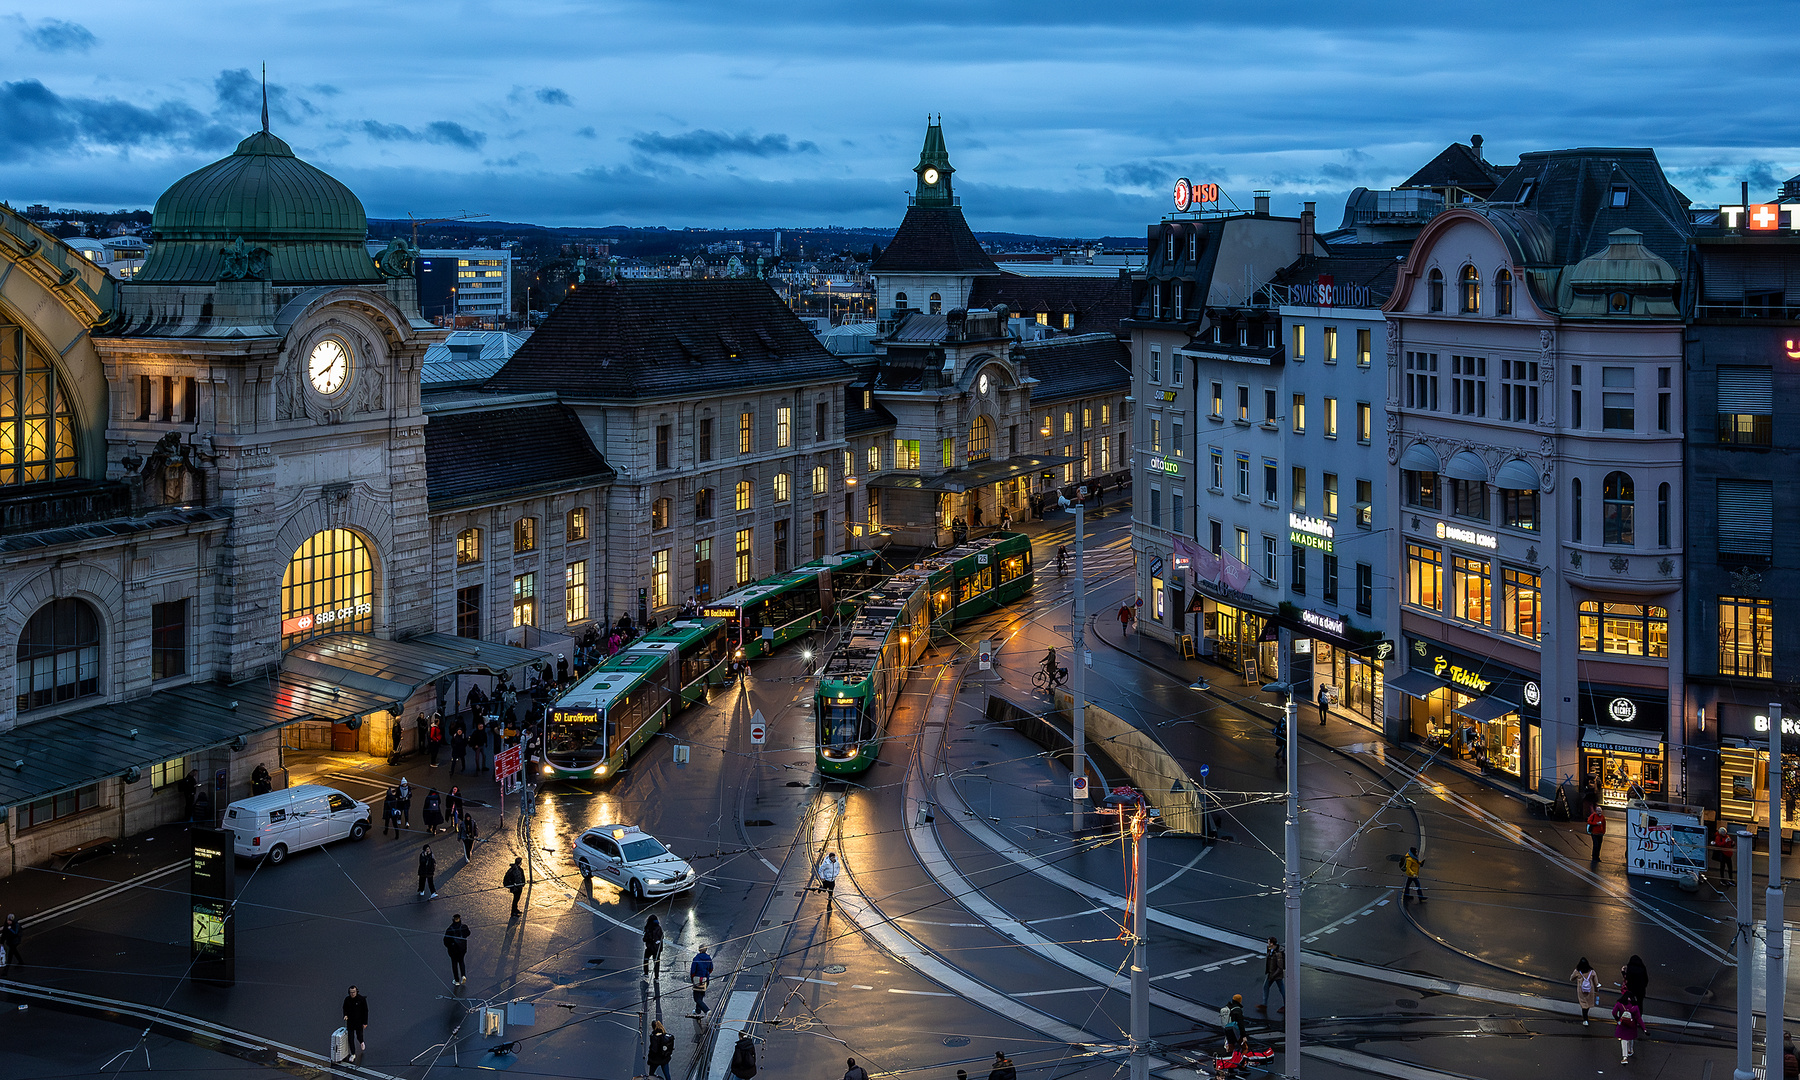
265, 88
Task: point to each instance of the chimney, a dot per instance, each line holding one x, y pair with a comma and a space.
1306, 229
1262, 204
1475, 145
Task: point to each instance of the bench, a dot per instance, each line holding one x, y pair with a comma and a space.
69, 855
1537, 804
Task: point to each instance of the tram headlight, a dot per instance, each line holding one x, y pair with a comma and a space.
548, 771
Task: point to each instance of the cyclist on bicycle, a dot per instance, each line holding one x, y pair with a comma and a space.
1051, 672
1062, 559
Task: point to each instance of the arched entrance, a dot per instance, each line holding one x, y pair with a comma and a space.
328, 587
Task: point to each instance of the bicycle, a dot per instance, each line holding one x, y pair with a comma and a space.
1044, 682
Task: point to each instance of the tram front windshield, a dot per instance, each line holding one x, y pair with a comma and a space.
576, 738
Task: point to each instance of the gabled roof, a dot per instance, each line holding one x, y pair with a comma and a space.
1373, 266
1098, 302
666, 337
1069, 367
1570, 191
934, 240
1457, 165
492, 453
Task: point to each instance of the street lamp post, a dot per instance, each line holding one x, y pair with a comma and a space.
1077, 643
1291, 1040
1140, 957
1746, 1026
1775, 999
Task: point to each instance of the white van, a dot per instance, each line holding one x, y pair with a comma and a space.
279, 823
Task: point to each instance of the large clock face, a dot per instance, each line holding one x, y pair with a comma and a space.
329, 367
931, 176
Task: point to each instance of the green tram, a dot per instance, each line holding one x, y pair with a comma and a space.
595, 727
860, 682
764, 616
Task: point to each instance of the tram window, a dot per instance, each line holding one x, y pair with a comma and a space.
1012, 569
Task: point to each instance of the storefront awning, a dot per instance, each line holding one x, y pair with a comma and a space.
1630, 742
1484, 709
1417, 684
393, 670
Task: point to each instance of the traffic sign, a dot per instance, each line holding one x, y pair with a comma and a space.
1204, 769
987, 655
759, 729
1080, 784
506, 763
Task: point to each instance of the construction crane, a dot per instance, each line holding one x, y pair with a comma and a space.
418, 221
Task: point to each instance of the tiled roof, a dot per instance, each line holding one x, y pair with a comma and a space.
934, 240
1070, 367
666, 337
1571, 192
1098, 302
488, 453
1458, 165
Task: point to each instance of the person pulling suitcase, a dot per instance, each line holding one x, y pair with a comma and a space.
356, 1018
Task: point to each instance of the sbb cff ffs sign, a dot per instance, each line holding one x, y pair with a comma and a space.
1187, 193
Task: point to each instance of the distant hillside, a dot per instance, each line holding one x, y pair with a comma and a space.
638, 242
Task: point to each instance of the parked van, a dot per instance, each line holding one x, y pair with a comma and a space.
279, 823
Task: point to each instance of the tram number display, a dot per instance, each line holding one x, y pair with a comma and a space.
300, 624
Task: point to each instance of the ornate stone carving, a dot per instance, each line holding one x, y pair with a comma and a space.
398, 259
1531, 555
1393, 443
244, 263
1547, 377
1620, 564
1666, 566
1575, 559
1746, 582
1393, 347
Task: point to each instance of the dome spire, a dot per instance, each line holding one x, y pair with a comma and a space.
265, 74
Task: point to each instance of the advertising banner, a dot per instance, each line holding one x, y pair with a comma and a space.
1664, 841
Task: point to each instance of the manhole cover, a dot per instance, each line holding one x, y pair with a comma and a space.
955, 1040
759, 821
834, 969
1406, 1003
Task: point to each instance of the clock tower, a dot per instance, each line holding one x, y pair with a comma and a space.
933, 261
934, 170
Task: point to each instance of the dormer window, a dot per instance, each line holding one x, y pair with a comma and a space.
1619, 303
1503, 298
1525, 191
1434, 293
1171, 244
1244, 334
1621, 197
1470, 288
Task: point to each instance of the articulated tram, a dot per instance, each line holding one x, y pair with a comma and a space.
776, 610
595, 727
898, 619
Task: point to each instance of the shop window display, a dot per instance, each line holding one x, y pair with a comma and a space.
1619, 776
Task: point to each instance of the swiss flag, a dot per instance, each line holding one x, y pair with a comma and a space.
1764, 216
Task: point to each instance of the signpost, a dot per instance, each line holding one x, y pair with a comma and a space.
986, 651
212, 873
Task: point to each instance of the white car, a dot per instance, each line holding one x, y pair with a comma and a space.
275, 824
633, 860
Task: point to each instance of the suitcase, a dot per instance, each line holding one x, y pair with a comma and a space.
340, 1046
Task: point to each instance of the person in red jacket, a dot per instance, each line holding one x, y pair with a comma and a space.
1596, 826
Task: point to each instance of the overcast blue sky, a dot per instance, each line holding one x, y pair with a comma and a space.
1062, 118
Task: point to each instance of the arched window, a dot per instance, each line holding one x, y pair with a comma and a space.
703, 504
1435, 291
745, 495
1619, 509
981, 438
937, 303
899, 301
659, 513
1575, 509
1470, 283
329, 586
1503, 283
468, 547
575, 528
1662, 516
59, 655
37, 432
782, 487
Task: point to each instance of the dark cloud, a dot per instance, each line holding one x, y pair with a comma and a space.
35, 120
703, 145
240, 97
1139, 174
442, 132
550, 95
57, 36
587, 132
1354, 165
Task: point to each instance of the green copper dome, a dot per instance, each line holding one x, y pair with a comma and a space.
261, 214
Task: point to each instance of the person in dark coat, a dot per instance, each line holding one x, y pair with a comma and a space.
453, 806
390, 812
743, 1057
12, 938
203, 812
434, 811
653, 943
459, 751
356, 1017
660, 1051
261, 783
467, 835
456, 943
1635, 978
855, 1071
190, 787
1003, 1067
478, 741
405, 802
515, 882
427, 873
700, 973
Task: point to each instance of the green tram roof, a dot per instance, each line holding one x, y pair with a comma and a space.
800, 575
855, 660
611, 680
683, 631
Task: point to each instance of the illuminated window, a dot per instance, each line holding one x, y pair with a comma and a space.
37, 433
1471, 594
575, 608
745, 495
906, 454
525, 534
1362, 347
1068, 321
874, 459
1624, 629
1470, 290
981, 435
659, 513
746, 426
741, 547
1299, 341
329, 586
1043, 318
784, 427
1424, 577
1044, 429
1296, 413
59, 655
468, 547
782, 487
1068, 421
1746, 637
659, 578
576, 524
849, 464
937, 303
1106, 413
1330, 344
1521, 601
821, 480
525, 600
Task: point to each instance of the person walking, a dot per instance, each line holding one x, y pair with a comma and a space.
743, 1057
427, 873
1634, 978
1596, 826
434, 811
356, 1018
434, 740
467, 833
1628, 1024
459, 751
1790, 1057
653, 943
1411, 864
700, 973
478, 739
1274, 973
1003, 1067
829, 869
1124, 618
190, 787
1724, 849
405, 802
854, 1071
456, 943
454, 810
1324, 703
660, 1051
1587, 987
390, 809
515, 882
12, 938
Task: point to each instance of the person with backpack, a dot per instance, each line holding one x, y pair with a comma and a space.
700, 974
1274, 973
661, 1050
743, 1057
1596, 827
1003, 1067
855, 1071
1628, 1025
1411, 864
1231, 1018
1587, 987
434, 811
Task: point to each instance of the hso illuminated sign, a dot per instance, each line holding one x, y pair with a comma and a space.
1461, 676
1447, 531
1320, 621
300, 624
1188, 193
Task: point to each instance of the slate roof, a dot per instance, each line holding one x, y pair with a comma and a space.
667, 337
934, 240
1069, 367
1457, 165
860, 421
445, 366
1570, 194
1376, 266
1098, 302
480, 454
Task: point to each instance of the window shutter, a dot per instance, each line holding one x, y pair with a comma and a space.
1746, 391
1746, 517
